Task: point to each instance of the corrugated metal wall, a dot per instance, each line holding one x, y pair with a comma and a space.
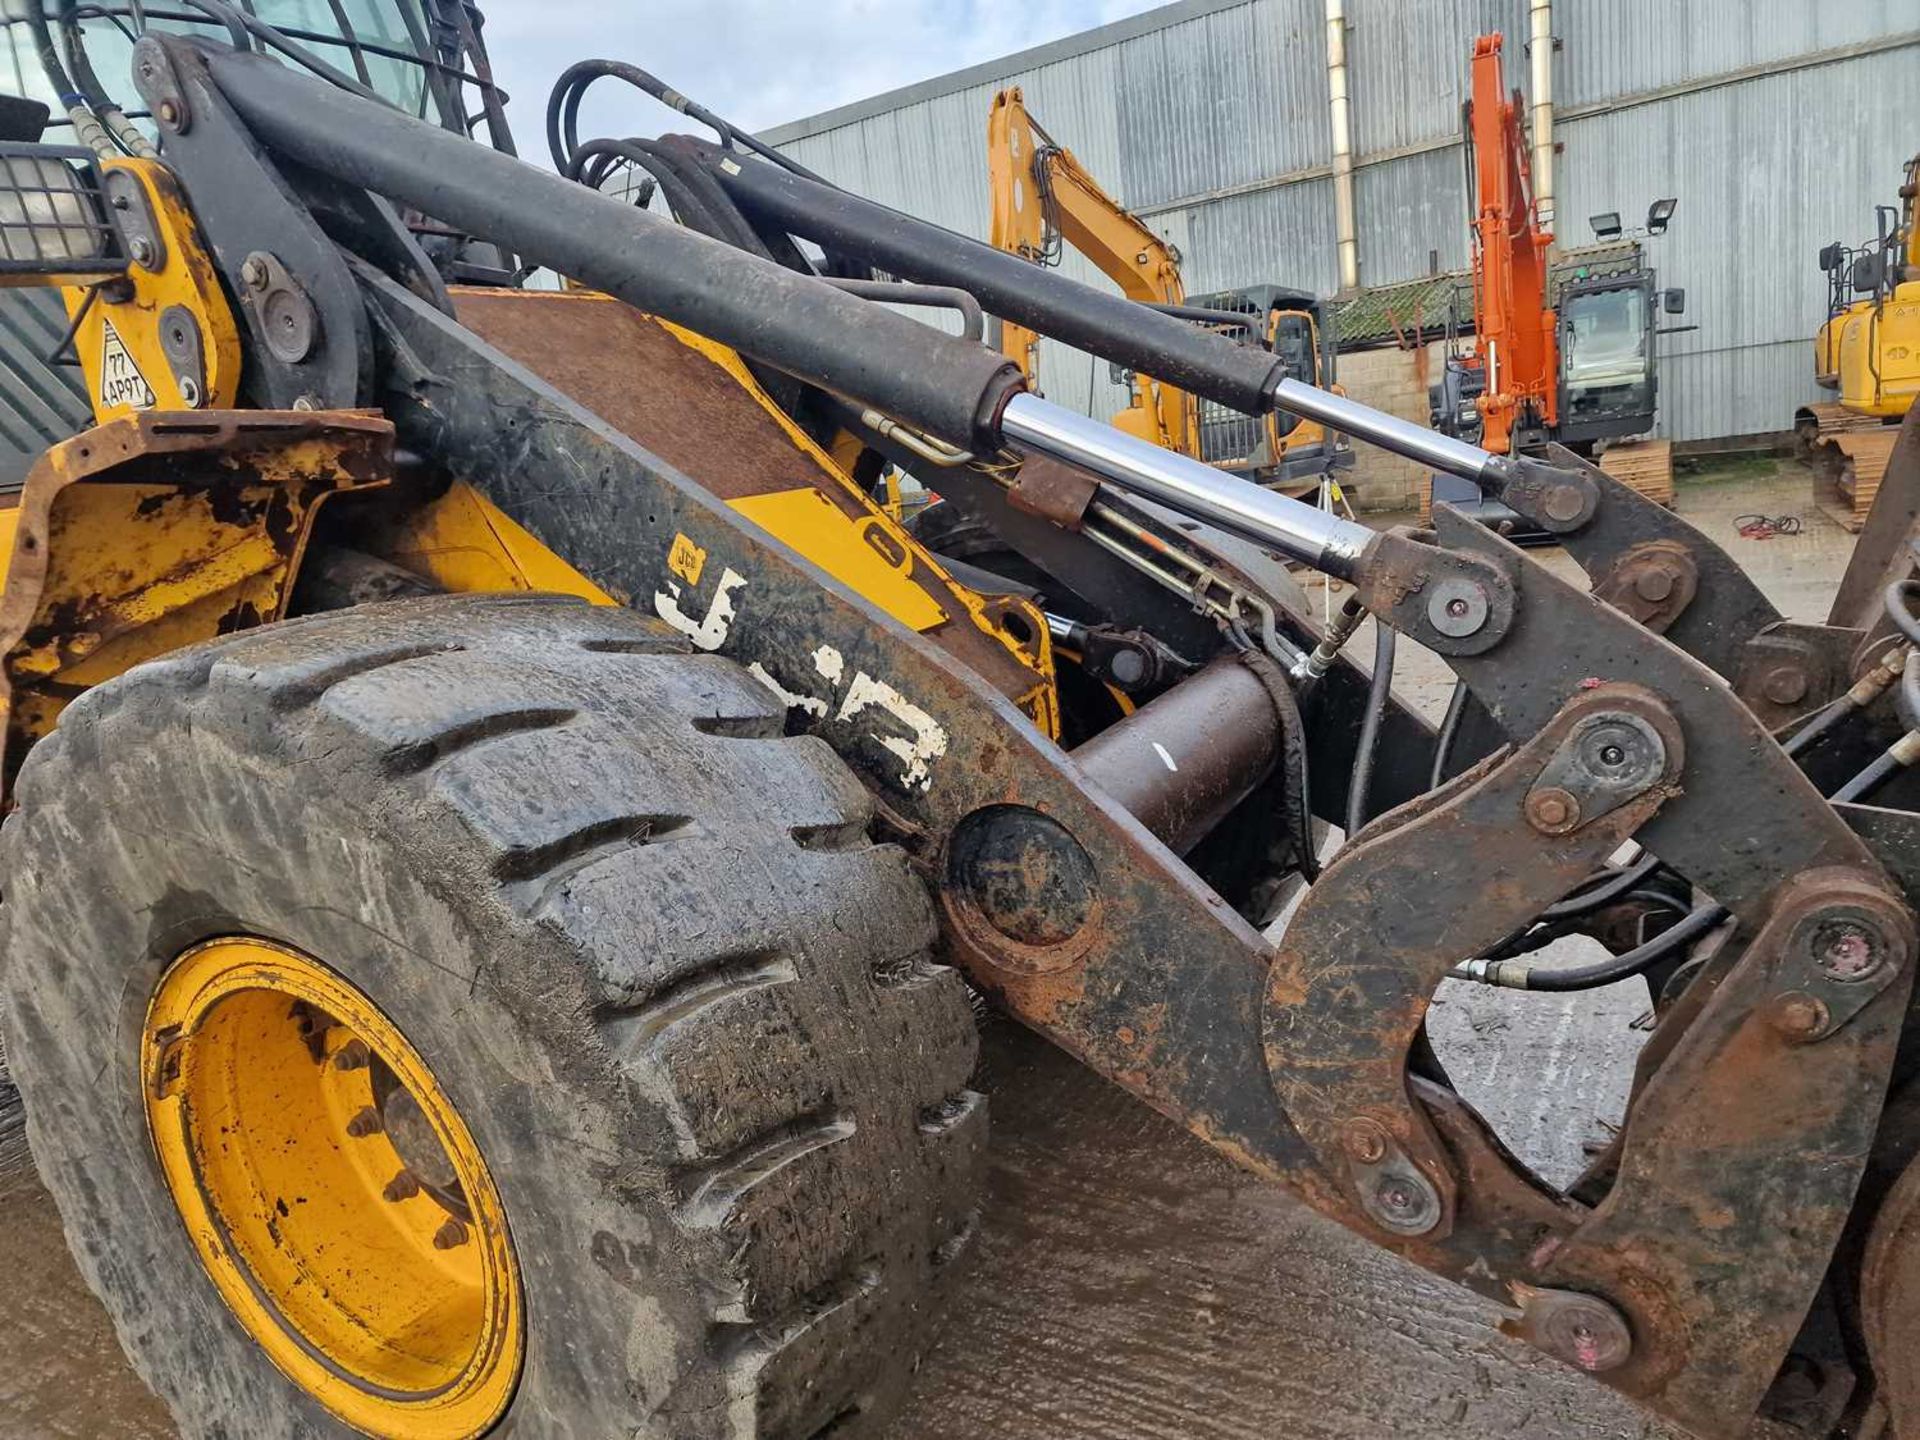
1210, 118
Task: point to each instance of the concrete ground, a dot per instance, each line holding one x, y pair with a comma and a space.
1130, 1284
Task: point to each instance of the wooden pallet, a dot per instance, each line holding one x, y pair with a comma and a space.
1847, 465
1645, 466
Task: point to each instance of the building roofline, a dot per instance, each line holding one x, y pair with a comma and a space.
1147, 21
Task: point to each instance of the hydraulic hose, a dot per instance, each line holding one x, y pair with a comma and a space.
124, 132
563, 112
1295, 763
1616, 968
1449, 732
1890, 762
1379, 693
1899, 598
1516, 975
87, 128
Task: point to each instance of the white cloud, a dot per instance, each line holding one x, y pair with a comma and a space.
758, 62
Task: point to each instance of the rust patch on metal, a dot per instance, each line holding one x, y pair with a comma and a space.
1890, 1301
1654, 582
1360, 962
156, 530
1053, 491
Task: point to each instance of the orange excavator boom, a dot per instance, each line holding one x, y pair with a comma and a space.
1516, 327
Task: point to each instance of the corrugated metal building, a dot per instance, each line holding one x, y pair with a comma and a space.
1778, 124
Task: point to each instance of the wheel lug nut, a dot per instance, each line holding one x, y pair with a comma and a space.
450, 1236
366, 1123
403, 1186
354, 1055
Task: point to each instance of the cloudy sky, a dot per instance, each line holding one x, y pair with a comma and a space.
759, 62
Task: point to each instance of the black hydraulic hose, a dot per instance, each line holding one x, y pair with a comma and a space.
1188, 356
1379, 692
123, 131
1616, 968
1899, 598
934, 382
1822, 723
1602, 891
563, 111
1884, 767
696, 201
86, 81
593, 163
1449, 732
49, 55
1295, 764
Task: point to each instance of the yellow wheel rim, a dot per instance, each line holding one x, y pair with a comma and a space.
334, 1195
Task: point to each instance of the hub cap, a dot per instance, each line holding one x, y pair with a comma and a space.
335, 1197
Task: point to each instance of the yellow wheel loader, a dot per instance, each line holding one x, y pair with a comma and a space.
498, 818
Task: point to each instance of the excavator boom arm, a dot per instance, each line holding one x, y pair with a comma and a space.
1042, 197
1514, 322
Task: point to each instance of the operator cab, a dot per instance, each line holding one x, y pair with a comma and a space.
1268, 449
1607, 380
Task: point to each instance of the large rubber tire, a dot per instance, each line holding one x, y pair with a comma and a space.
682, 1002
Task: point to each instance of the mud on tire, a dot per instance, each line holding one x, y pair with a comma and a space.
682, 1002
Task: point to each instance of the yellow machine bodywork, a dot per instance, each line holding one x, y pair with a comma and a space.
1869, 353
153, 532
164, 338
177, 518
1874, 350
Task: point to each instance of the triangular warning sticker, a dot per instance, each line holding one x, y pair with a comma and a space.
121, 382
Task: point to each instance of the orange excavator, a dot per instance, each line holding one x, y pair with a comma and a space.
1516, 327
1576, 373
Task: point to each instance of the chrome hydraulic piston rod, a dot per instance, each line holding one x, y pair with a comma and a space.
1390, 432
1243, 377
1296, 529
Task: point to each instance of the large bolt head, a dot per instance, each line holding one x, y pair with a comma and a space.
1785, 685
1563, 503
1398, 1199
1583, 1330
1553, 811
1847, 952
1366, 1141
1457, 608
1653, 584
1797, 1015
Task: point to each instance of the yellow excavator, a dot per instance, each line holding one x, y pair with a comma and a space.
1044, 199
1867, 352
